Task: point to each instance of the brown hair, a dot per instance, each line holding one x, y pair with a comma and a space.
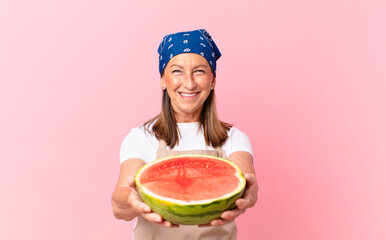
165, 126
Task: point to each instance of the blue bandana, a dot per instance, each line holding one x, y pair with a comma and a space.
197, 41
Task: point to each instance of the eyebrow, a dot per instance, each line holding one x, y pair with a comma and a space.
198, 66
175, 65
202, 65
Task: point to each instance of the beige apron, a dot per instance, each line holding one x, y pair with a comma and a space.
145, 230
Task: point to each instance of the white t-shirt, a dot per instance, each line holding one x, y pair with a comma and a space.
139, 143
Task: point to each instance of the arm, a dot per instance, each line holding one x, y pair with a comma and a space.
244, 161
125, 199
125, 190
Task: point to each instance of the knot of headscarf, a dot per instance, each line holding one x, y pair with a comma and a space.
197, 41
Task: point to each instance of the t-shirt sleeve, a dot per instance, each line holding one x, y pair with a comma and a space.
239, 141
132, 146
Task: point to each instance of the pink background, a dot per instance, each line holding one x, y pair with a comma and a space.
305, 80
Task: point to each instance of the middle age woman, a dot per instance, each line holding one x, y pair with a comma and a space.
187, 124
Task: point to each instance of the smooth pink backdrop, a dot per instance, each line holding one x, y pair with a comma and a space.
305, 80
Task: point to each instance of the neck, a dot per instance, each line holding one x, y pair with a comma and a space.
187, 118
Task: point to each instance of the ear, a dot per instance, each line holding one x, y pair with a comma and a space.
213, 82
163, 82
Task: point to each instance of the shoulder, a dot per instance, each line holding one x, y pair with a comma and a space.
138, 143
237, 141
139, 133
235, 132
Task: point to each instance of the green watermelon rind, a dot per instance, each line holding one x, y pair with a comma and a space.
196, 213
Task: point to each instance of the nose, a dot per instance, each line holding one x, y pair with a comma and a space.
189, 81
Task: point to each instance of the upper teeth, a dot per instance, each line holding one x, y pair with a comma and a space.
188, 94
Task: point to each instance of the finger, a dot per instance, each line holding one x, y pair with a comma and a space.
251, 178
249, 183
137, 204
219, 222
131, 181
250, 192
152, 217
248, 200
169, 224
242, 203
164, 224
157, 219
135, 200
232, 214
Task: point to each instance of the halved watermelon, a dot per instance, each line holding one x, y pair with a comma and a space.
190, 189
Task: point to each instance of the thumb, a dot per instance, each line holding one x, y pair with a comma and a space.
131, 181
251, 178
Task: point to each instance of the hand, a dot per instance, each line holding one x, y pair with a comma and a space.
248, 200
135, 206
144, 209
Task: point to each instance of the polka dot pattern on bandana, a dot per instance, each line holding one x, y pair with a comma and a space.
197, 41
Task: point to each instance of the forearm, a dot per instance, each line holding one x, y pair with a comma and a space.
124, 196
244, 161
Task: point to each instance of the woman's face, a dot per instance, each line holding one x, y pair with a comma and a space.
188, 78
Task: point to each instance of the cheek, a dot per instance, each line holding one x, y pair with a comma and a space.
205, 83
173, 83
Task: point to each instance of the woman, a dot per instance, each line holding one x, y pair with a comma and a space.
187, 124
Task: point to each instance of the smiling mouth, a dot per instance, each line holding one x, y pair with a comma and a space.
188, 94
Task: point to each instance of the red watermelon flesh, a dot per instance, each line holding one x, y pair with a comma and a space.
190, 178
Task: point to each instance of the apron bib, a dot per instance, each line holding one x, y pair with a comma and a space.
145, 230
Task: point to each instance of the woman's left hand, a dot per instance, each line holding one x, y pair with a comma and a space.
249, 198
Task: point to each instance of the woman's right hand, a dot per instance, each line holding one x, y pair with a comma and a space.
126, 201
